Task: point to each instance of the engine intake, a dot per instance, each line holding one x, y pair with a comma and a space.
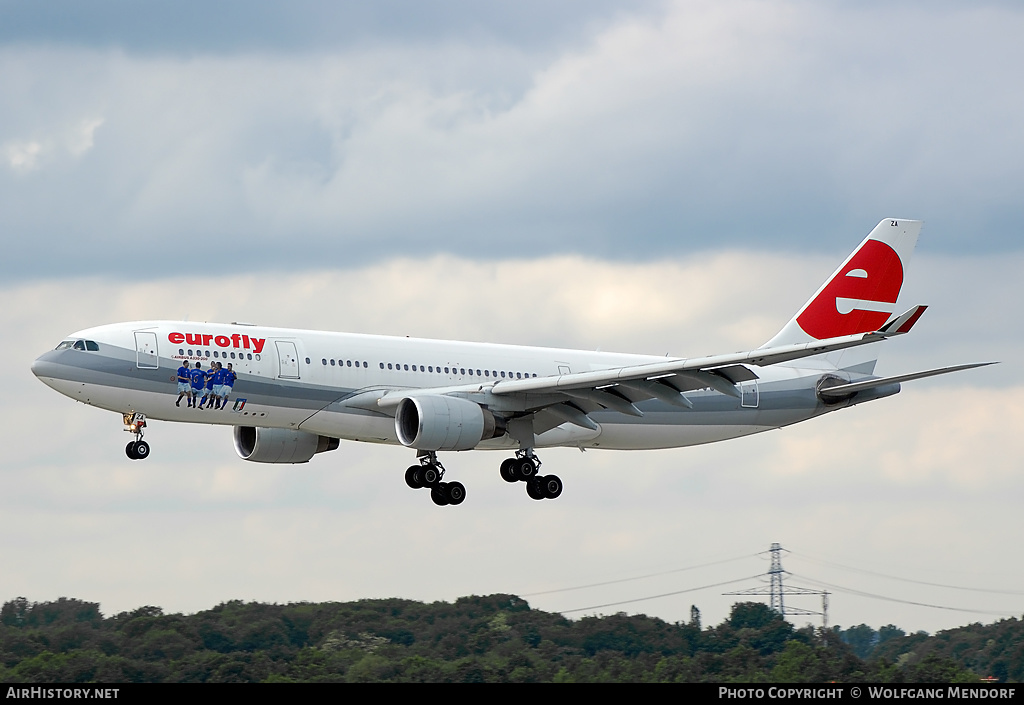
435, 422
279, 445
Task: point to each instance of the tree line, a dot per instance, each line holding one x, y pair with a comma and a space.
494, 638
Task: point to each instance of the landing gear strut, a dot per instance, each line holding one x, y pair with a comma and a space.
525, 468
137, 449
428, 474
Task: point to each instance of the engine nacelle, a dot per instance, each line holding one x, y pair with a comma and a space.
279, 445
436, 422
827, 382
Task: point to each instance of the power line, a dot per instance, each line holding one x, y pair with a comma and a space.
778, 590
638, 577
907, 580
862, 593
654, 597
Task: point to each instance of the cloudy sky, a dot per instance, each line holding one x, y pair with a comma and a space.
646, 176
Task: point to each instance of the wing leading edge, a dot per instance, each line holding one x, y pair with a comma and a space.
616, 388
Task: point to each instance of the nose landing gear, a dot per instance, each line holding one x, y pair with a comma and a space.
137, 449
428, 474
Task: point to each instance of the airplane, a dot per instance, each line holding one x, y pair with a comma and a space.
298, 393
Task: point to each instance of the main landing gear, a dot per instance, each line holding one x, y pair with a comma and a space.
524, 468
428, 474
137, 449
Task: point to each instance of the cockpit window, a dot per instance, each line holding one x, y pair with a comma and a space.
78, 345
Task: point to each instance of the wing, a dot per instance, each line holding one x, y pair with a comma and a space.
570, 397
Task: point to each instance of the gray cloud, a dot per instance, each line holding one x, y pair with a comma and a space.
778, 125
302, 26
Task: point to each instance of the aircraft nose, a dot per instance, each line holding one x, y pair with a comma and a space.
43, 366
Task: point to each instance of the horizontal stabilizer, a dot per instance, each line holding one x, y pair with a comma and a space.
845, 390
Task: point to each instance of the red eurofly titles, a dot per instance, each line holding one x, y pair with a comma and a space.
235, 340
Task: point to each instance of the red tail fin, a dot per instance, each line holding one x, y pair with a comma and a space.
861, 295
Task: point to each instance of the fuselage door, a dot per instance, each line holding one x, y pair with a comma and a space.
146, 356
288, 359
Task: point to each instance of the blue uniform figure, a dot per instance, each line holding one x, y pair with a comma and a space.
198, 382
229, 385
184, 382
215, 385
209, 386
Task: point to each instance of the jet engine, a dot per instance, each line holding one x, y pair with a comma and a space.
827, 382
279, 445
435, 422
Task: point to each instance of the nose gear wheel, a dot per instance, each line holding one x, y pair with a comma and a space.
137, 449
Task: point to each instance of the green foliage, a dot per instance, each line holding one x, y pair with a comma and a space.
995, 650
862, 639
493, 638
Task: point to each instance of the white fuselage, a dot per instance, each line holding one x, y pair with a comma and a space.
314, 381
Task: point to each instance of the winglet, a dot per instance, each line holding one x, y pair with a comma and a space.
903, 323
